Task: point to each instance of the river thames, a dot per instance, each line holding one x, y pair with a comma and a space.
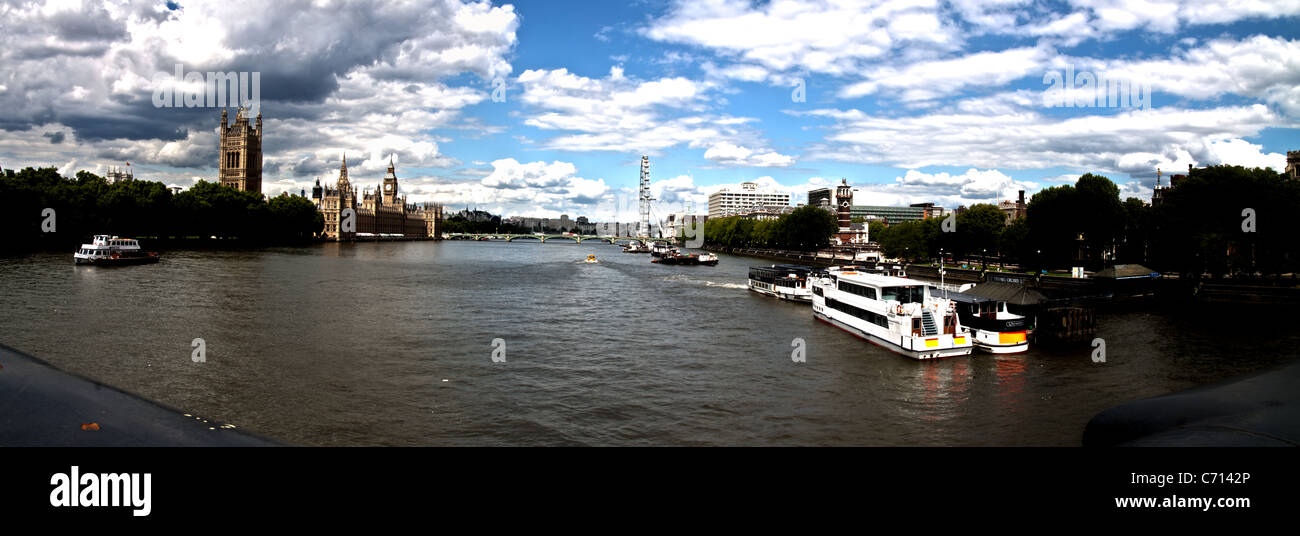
392, 344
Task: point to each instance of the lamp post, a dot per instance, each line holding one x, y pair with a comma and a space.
984, 259
1040, 261
941, 272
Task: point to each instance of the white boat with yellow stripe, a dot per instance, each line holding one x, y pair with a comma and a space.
996, 330
902, 315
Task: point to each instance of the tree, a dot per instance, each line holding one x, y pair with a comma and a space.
1015, 242
978, 229
1228, 219
294, 219
806, 228
1100, 215
1131, 246
1052, 216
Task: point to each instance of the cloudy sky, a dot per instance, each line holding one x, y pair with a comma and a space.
541, 108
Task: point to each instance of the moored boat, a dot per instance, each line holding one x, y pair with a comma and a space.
785, 281
105, 250
900, 315
636, 247
996, 330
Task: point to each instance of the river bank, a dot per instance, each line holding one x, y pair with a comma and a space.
1280, 292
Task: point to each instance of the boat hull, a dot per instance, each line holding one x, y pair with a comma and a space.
685, 261
121, 261
991, 341
888, 345
801, 298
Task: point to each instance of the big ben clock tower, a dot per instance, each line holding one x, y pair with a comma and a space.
390, 184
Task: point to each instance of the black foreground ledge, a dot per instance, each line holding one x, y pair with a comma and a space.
41, 405
1259, 409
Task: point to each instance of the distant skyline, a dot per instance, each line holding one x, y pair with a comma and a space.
919, 101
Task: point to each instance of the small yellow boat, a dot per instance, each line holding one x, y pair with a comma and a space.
591, 259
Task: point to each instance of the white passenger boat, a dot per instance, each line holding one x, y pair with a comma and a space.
659, 249
785, 281
901, 315
108, 250
996, 330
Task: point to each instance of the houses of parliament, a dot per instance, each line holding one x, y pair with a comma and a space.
382, 213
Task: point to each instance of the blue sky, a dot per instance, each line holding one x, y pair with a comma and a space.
910, 101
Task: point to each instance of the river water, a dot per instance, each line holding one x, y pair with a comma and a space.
393, 344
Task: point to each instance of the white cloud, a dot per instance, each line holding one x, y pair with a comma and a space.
944, 189
623, 114
1261, 67
830, 37
734, 155
1133, 141
1239, 152
940, 78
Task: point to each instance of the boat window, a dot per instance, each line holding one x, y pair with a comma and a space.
857, 289
904, 294
874, 318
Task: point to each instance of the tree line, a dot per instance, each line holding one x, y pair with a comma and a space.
807, 228
87, 204
1220, 220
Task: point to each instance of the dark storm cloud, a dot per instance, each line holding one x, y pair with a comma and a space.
85, 77
42, 51
94, 24
308, 167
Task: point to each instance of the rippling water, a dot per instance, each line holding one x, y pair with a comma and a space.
391, 344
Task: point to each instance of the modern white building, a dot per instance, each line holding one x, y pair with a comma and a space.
727, 202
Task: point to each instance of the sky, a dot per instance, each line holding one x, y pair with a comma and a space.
542, 108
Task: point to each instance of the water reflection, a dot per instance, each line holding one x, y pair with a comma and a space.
1010, 380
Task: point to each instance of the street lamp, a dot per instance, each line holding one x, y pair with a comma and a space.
984, 258
941, 272
1040, 261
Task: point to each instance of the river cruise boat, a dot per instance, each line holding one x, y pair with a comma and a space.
105, 250
996, 330
636, 247
688, 259
902, 315
785, 281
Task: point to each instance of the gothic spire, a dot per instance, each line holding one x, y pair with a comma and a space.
343, 172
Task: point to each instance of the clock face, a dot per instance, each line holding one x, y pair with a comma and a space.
388, 187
